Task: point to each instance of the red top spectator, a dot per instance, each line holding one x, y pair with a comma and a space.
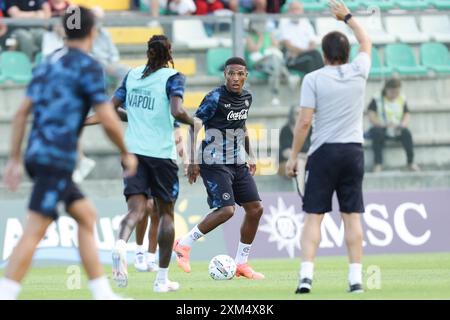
58, 7
207, 6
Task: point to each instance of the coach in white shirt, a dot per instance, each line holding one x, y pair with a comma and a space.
332, 100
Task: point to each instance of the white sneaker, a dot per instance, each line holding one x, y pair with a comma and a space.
167, 286
152, 266
84, 168
119, 268
139, 262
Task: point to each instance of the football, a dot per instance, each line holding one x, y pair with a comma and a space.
222, 267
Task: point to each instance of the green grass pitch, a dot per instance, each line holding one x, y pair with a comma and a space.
402, 276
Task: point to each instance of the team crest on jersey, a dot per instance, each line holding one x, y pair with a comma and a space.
247, 104
226, 196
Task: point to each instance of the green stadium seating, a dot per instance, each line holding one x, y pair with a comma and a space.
441, 4
384, 5
377, 70
15, 66
400, 57
413, 4
215, 60
2, 78
436, 57
308, 5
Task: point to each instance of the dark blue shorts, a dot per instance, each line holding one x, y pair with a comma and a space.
228, 184
51, 186
335, 167
155, 177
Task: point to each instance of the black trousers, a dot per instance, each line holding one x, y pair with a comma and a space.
379, 137
306, 62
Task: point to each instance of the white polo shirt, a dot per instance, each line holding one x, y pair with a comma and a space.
298, 34
337, 95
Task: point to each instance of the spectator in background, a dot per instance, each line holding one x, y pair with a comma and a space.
274, 6
264, 55
53, 40
182, 7
106, 52
298, 39
3, 27
205, 7
58, 7
28, 39
389, 116
254, 6
286, 138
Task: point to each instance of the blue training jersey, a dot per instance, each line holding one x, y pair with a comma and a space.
63, 88
224, 114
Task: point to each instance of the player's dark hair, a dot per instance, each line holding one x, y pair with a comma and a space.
159, 54
236, 60
392, 83
336, 47
78, 22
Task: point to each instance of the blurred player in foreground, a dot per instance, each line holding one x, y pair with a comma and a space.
63, 89
223, 167
334, 95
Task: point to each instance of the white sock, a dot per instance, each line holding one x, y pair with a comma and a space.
121, 245
151, 257
355, 273
140, 249
100, 288
242, 253
9, 289
191, 237
162, 275
307, 270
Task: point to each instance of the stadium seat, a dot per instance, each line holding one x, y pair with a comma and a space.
105, 4
325, 25
192, 99
383, 5
441, 4
413, 4
2, 78
405, 29
437, 26
435, 56
308, 5
145, 8
215, 60
15, 66
376, 70
192, 34
186, 66
133, 35
375, 28
400, 58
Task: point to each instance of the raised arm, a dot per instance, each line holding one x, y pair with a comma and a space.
342, 13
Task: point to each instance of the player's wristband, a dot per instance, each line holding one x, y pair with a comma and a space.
347, 17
